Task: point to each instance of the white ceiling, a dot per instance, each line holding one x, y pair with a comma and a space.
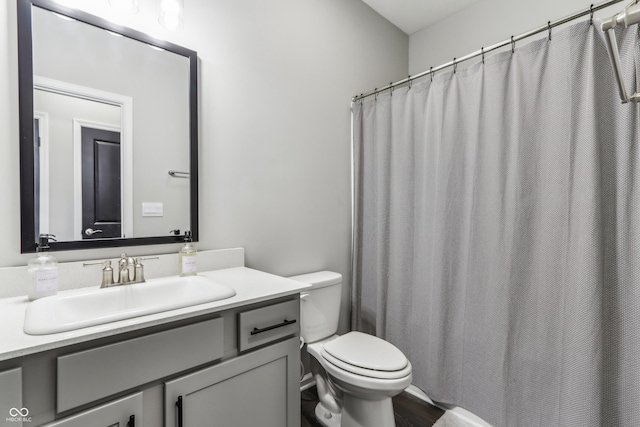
413, 15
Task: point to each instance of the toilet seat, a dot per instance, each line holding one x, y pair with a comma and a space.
371, 373
366, 355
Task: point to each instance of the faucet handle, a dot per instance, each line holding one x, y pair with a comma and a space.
107, 272
138, 273
138, 261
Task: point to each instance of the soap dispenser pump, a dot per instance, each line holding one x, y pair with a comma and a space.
43, 270
187, 257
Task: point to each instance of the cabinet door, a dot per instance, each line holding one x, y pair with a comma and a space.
11, 410
125, 412
260, 388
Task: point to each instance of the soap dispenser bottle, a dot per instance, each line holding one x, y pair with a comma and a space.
43, 270
187, 257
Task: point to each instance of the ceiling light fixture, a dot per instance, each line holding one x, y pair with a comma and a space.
171, 14
129, 7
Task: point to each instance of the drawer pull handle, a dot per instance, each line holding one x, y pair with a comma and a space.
132, 421
179, 406
268, 328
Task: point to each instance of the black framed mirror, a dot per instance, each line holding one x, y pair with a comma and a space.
108, 132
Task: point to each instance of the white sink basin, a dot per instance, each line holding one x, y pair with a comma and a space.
60, 313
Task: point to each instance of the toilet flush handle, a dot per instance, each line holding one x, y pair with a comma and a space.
303, 297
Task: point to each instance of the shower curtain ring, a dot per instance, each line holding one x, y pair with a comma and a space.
375, 92
549, 28
482, 51
391, 88
513, 45
591, 18
409, 79
455, 65
431, 72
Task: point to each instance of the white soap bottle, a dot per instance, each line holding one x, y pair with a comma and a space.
43, 270
187, 257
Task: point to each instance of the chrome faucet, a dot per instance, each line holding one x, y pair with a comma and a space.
130, 271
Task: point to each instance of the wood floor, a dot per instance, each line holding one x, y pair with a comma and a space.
409, 410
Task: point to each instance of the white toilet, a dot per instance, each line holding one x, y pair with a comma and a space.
356, 374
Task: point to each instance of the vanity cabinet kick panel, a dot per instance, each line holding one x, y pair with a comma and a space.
260, 388
90, 375
10, 396
113, 414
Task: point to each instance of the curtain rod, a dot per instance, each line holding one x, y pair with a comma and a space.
510, 41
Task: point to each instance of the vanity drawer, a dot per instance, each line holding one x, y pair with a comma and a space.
93, 374
263, 325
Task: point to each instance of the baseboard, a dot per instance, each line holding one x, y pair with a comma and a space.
466, 418
307, 382
417, 392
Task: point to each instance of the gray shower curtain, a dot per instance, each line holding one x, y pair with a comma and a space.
496, 237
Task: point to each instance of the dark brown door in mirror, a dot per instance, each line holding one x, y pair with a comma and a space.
101, 184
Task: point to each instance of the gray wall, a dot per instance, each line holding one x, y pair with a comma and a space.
485, 23
276, 80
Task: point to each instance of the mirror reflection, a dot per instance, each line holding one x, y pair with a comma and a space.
77, 148
111, 119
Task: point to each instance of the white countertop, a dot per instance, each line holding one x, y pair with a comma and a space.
251, 286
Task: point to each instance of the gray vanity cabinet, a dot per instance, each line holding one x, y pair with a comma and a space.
125, 412
238, 368
255, 389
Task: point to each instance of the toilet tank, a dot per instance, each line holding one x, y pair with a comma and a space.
319, 305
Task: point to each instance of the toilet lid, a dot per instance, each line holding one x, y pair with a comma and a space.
367, 352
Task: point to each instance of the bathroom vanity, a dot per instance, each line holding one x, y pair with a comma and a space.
233, 362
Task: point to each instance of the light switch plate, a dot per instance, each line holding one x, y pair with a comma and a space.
152, 209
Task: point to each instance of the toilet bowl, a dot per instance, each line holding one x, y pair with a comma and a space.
356, 374
368, 371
